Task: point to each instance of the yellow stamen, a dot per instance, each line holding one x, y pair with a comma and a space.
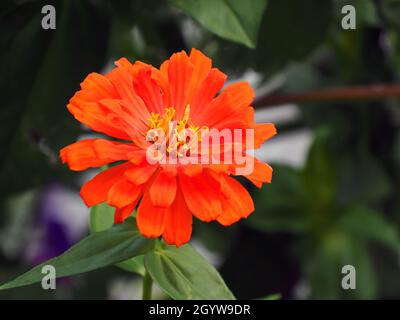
182, 141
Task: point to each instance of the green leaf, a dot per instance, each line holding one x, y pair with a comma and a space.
98, 250
275, 296
135, 264
235, 20
356, 187
289, 31
370, 225
102, 218
320, 166
37, 86
184, 274
335, 250
280, 206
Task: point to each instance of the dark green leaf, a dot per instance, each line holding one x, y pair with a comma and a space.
98, 250
102, 218
335, 250
280, 205
276, 296
358, 187
235, 20
370, 225
41, 70
184, 274
289, 31
135, 264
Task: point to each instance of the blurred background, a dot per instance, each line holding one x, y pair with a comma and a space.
334, 199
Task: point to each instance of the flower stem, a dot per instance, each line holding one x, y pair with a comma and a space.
374, 91
147, 286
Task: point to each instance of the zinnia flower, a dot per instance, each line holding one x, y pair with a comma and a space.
134, 104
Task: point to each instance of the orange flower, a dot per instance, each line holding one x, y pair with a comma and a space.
135, 103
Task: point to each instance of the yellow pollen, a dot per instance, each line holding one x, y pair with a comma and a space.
183, 128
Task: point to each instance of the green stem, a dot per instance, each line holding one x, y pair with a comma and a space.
147, 286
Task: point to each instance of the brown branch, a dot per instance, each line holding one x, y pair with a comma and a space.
375, 91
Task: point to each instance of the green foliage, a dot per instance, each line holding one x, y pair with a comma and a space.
98, 250
276, 296
102, 218
370, 225
289, 31
184, 274
234, 20
40, 72
336, 250
336, 227
341, 208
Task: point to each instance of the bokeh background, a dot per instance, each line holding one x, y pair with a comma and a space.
334, 199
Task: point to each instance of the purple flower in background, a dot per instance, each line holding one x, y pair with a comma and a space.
61, 220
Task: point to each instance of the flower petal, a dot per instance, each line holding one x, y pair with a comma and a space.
150, 219
123, 193
179, 72
122, 213
262, 173
236, 203
95, 190
81, 155
178, 228
163, 189
85, 107
201, 68
202, 195
263, 132
205, 93
234, 97
132, 106
98, 86
106, 149
95, 117
140, 174
148, 90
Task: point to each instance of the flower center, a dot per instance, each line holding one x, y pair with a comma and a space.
175, 137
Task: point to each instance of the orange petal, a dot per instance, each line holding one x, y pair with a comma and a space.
201, 68
95, 117
263, 132
178, 228
85, 108
106, 149
202, 195
192, 169
124, 117
150, 219
149, 91
236, 202
140, 174
206, 92
81, 155
179, 73
161, 79
234, 97
123, 82
95, 190
99, 86
132, 69
163, 189
123, 193
262, 173
123, 213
